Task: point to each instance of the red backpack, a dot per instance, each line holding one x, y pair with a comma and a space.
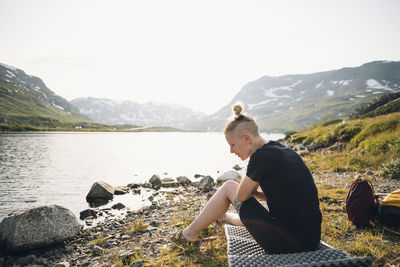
360, 203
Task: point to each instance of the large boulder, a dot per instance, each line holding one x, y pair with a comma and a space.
100, 192
207, 183
155, 181
229, 175
38, 227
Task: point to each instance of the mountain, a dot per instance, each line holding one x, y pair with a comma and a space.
112, 112
293, 102
26, 100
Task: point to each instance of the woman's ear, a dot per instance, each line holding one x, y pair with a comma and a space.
247, 138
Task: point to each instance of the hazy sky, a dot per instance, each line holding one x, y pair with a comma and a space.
194, 53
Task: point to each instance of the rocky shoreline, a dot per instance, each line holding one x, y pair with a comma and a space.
142, 234
140, 237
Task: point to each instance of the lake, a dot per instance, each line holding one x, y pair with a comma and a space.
60, 167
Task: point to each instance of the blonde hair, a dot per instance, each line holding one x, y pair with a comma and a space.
241, 123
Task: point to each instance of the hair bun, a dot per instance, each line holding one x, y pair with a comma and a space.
237, 109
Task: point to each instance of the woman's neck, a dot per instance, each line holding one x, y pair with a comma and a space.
258, 142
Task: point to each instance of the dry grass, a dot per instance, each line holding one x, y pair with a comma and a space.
376, 241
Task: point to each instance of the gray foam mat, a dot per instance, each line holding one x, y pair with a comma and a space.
243, 250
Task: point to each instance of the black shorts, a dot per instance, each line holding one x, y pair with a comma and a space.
267, 232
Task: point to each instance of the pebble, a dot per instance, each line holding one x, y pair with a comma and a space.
138, 263
62, 264
97, 251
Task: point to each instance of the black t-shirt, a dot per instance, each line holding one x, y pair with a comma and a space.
288, 185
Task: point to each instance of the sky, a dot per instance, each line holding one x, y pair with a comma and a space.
193, 53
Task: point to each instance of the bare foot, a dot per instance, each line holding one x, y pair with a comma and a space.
188, 236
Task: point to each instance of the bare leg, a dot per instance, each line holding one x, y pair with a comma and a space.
233, 218
215, 208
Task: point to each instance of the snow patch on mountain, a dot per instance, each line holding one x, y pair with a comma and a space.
318, 85
252, 106
330, 92
345, 82
342, 82
371, 83
10, 74
57, 106
271, 91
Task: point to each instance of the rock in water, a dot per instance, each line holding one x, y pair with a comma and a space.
38, 227
100, 191
87, 213
155, 180
167, 180
229, 175
183, 180
237, 167
121, 190
207, 183
118, 206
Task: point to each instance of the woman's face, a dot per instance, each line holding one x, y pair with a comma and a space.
239, 145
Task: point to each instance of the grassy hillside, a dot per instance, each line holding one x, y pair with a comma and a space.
369, 143
21, 108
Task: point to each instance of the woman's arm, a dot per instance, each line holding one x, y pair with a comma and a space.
246, 189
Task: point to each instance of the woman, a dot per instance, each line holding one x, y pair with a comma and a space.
293, 221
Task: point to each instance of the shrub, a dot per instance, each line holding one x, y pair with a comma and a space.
381, 144
97, 242
379, 127
391, 169
137, 227
298, 139
330, 122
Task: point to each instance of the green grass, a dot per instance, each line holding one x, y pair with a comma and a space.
376, 241
97, 242
370, 143
138, 227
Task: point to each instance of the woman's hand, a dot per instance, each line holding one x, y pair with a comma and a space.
259, 195
246, 189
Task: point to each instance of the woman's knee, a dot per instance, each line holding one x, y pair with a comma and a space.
229, 189
229, 185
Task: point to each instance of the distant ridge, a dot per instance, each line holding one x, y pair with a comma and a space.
293, 102
113, 112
